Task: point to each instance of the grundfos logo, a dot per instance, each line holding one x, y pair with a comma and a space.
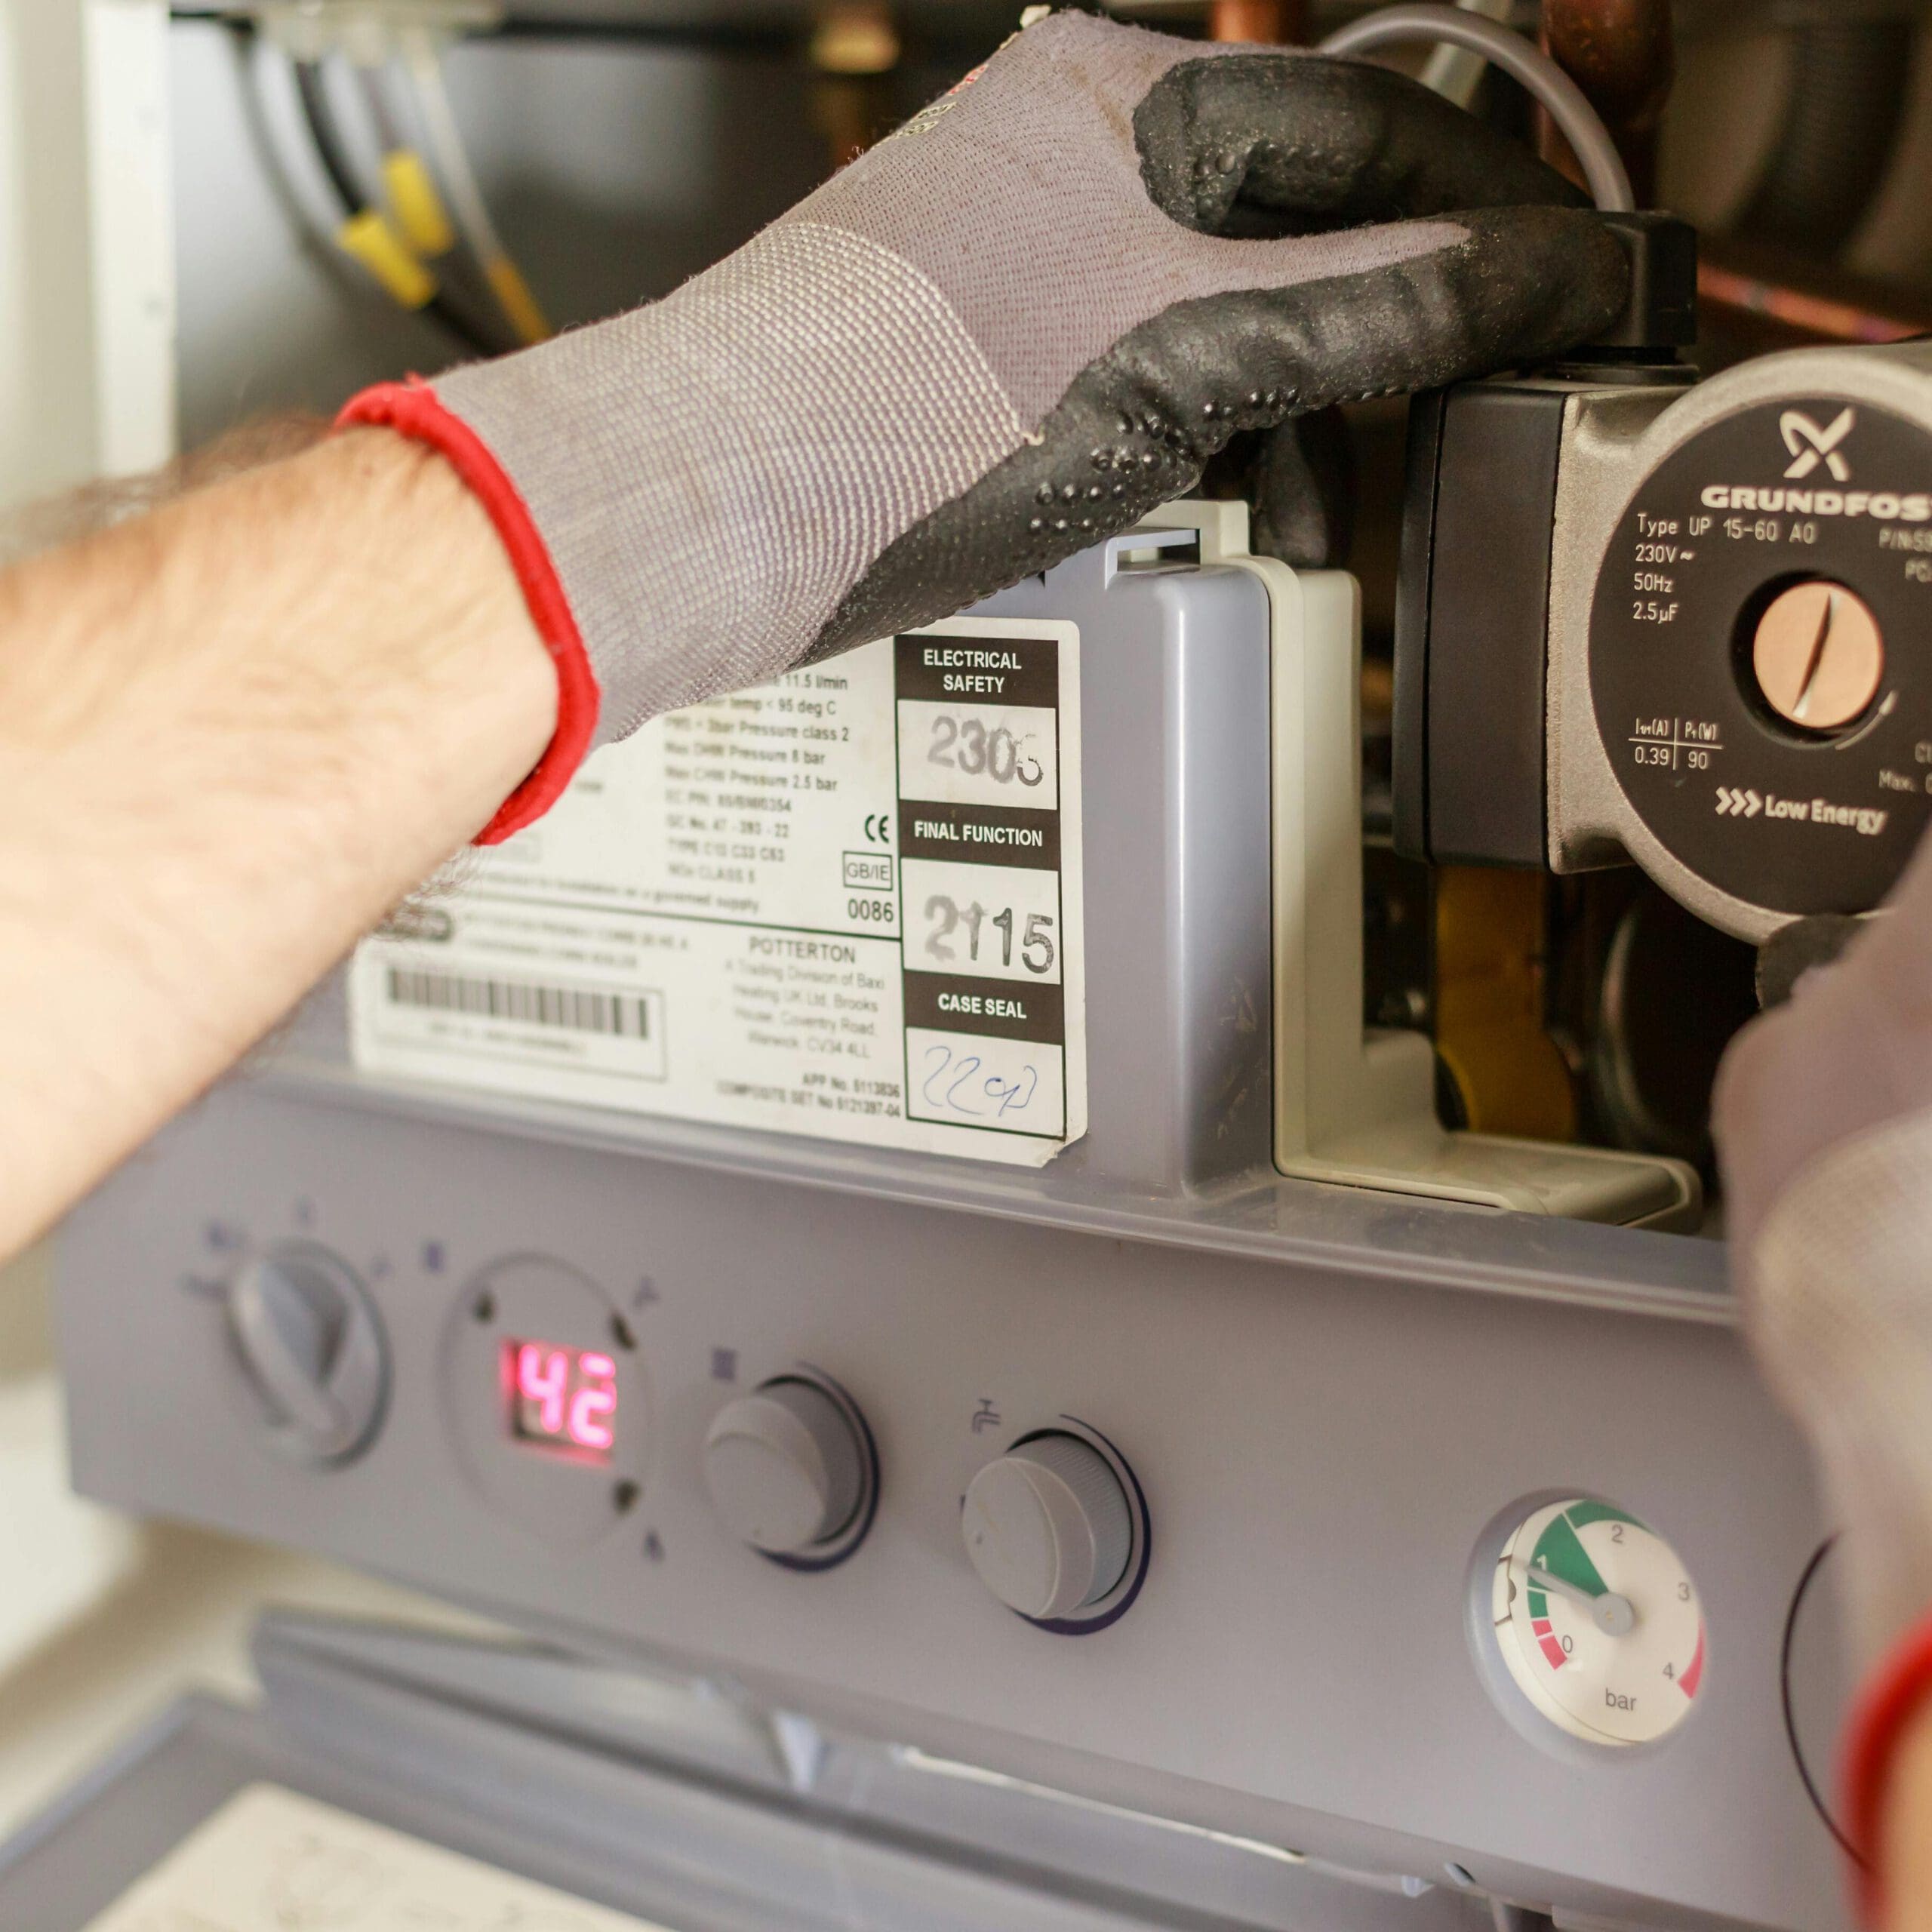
1810, 447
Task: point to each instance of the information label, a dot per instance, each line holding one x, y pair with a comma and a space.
847, 905
271, 1861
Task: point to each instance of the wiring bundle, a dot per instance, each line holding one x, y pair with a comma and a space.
423, 235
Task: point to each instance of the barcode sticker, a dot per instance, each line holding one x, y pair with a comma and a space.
525, 1021
581, 1008
847, 905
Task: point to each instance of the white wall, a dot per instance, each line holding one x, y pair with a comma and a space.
25, 1344
86, 254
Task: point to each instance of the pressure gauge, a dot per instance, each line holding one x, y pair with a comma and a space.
1598, 1623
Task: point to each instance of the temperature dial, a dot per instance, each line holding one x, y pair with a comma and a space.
1598, 1623
788, 1467
1048, 1527
310, 1349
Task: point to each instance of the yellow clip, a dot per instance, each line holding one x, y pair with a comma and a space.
419, 209
369, 237
519, 304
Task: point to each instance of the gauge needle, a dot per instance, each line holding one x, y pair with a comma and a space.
1613, 1615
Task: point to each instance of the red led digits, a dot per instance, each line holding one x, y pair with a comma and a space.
541, 1376
593, 1403
561, 1401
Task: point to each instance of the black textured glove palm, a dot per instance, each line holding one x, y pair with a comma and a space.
1012, 327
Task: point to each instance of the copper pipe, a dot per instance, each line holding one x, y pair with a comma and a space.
854, 37
853, 48
1281, 22
1622, 53
1807, 314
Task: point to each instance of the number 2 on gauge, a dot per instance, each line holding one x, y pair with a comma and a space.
1036, 942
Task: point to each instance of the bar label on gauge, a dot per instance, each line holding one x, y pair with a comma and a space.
845, 905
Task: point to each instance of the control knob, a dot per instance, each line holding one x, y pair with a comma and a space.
785, 1467
1048, 1527
1819, 656
310, 1348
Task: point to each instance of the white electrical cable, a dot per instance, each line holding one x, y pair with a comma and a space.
1581, 124
422, 64
1455, 72
425, 69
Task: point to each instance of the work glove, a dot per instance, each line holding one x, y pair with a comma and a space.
1009, 329
1823, 1118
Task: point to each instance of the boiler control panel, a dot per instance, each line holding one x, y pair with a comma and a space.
1112, 1377
1127, 1517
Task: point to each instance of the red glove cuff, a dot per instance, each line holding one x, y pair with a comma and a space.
411, 408
1893, 1699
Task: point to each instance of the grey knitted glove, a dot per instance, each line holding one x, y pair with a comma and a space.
1011, 328
1824, 1119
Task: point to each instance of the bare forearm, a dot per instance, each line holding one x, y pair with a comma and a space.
231, 735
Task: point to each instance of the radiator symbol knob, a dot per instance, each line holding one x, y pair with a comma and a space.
788, 1468
309, 1347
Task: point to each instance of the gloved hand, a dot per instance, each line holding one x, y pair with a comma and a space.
1824, 1122
1823, 1118
1011, 328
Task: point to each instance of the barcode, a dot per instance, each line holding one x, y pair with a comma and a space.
625, 1016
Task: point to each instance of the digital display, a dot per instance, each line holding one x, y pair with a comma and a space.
561, 1401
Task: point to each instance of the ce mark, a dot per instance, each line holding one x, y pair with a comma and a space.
878, 828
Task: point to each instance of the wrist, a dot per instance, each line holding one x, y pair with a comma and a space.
413, 410
1887, 1784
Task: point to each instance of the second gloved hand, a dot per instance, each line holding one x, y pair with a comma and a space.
1824, 1117
1009, 329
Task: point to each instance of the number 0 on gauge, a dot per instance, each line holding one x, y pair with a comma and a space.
1598, 1623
